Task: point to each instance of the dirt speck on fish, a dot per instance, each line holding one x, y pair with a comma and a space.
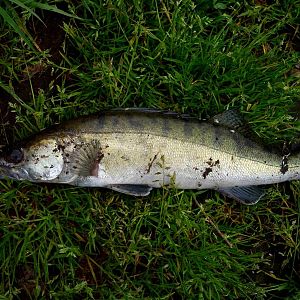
132, 151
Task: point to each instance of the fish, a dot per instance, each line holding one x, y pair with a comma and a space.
133, 151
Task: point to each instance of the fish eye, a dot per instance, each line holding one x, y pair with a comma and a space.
13, 156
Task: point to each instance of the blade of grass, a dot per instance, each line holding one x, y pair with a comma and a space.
9, 20
21, 4
54, 9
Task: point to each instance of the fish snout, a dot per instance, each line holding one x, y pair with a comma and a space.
10, 171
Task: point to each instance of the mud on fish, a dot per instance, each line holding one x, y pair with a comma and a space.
133, 151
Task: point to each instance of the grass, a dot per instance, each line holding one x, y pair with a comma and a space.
197, 57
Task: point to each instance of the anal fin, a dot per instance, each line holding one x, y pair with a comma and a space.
131, 189
245, 194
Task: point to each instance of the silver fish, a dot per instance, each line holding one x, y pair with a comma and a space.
132, 151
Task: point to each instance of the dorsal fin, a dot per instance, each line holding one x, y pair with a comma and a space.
229, 118
154, 111
233, 120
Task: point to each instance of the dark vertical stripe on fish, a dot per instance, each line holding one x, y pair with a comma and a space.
115, 121
217, 138
187, 128
165, 126
242, 143
101, 121
135, 122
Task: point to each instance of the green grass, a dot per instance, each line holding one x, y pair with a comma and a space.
196, 57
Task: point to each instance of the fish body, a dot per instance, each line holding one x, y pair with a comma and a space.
133, 151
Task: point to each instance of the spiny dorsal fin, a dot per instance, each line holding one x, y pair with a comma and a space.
154, 111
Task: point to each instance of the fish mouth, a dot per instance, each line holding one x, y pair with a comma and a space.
3, 171
10, 172
6, 172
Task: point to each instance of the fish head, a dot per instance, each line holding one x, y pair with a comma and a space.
40, 160
9, 160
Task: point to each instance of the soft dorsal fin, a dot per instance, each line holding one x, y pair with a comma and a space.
229, 118
233, 120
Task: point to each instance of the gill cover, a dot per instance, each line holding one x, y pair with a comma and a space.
38, 161
43, 161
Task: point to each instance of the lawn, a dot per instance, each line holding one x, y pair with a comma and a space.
62, 59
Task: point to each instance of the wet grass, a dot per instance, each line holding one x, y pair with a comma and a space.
197, 57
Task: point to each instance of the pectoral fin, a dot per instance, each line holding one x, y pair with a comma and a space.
85, 159
132, 189
245, 194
